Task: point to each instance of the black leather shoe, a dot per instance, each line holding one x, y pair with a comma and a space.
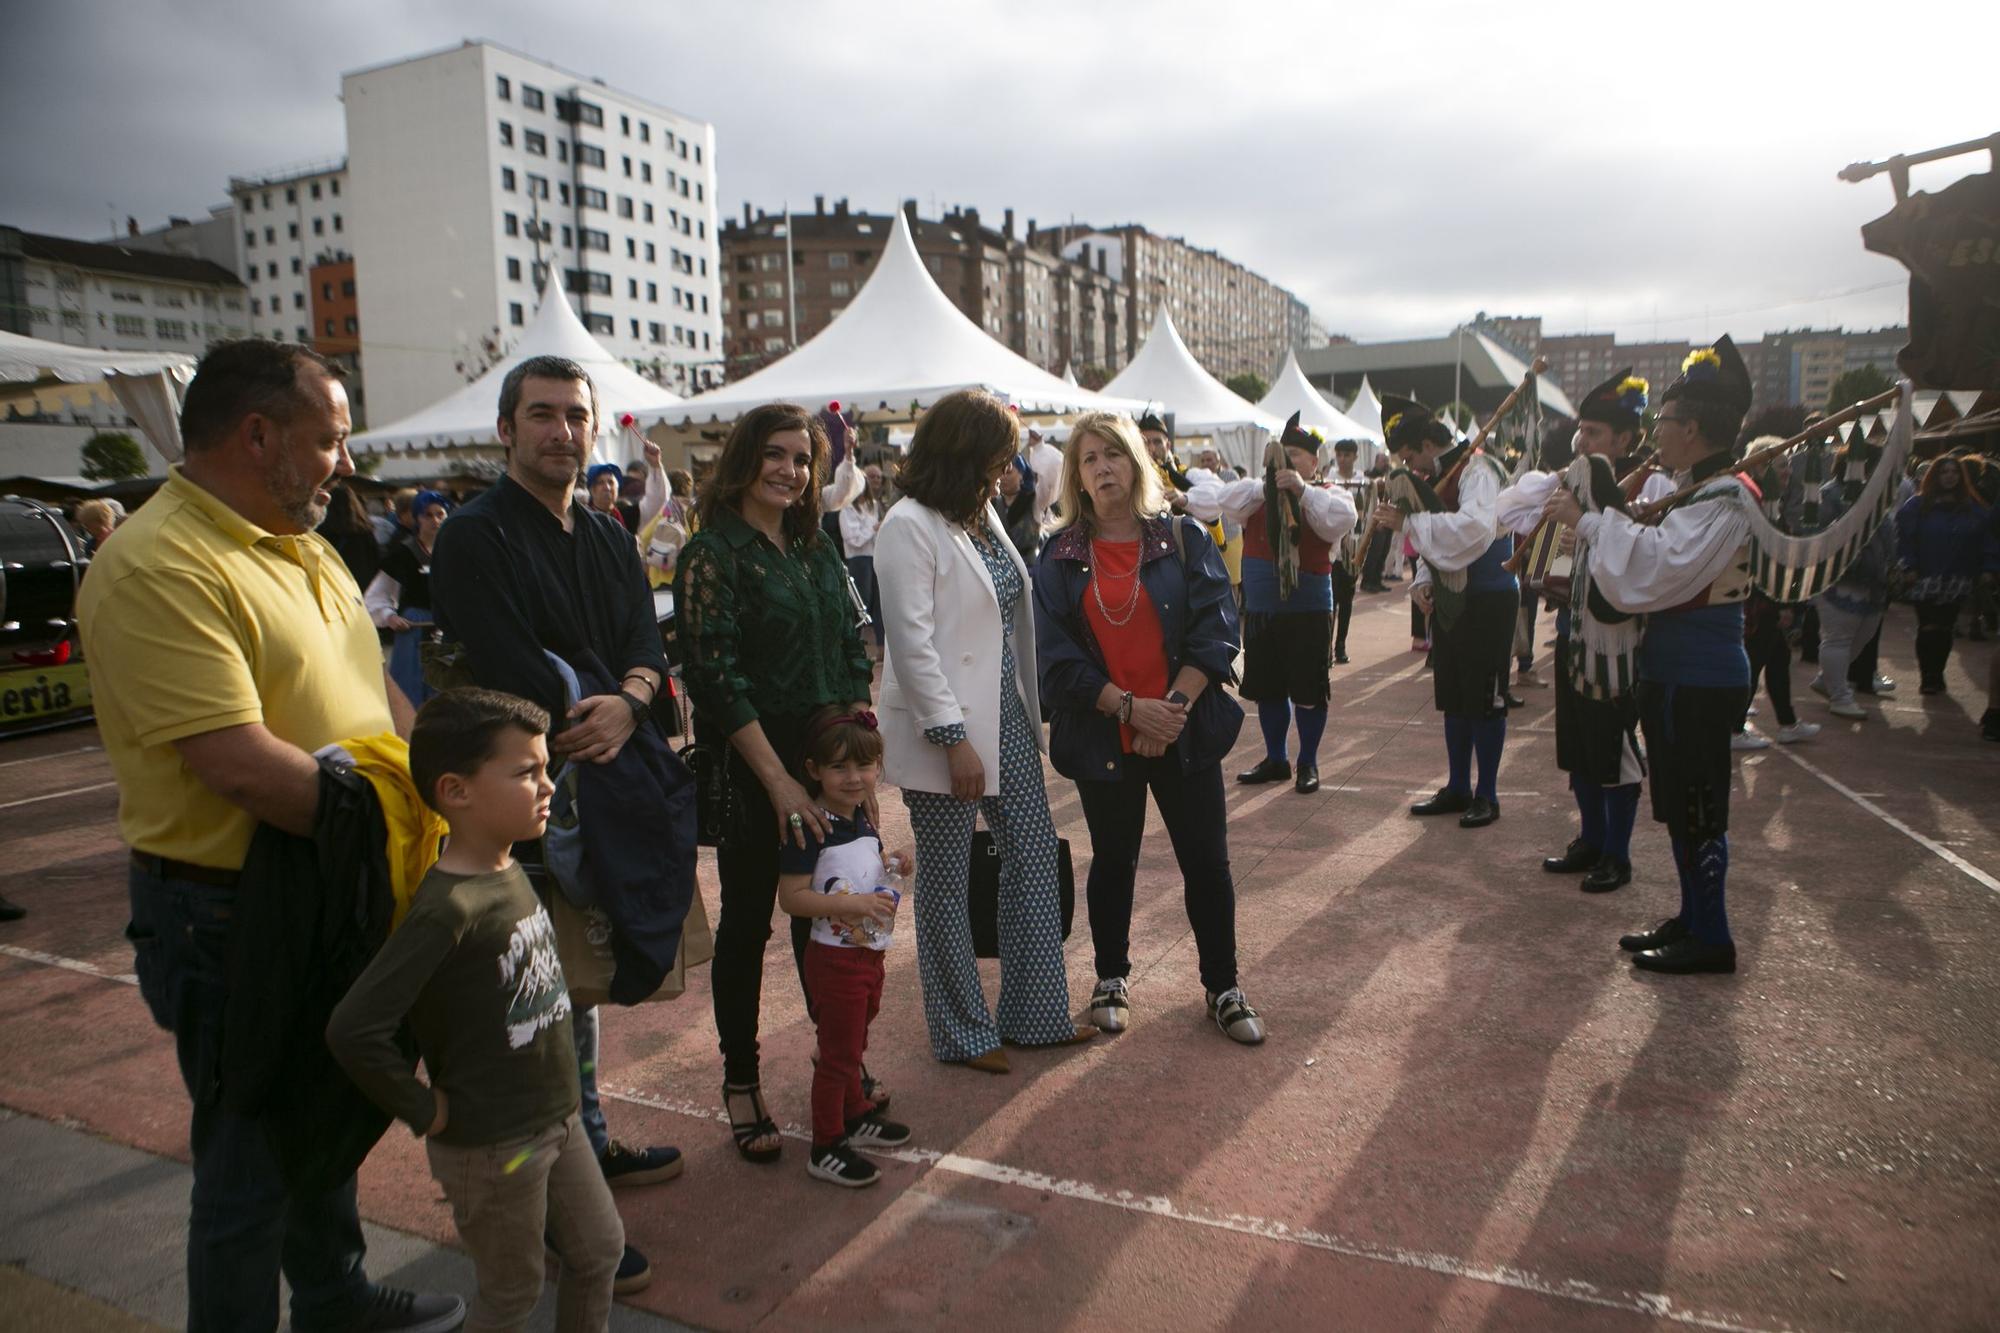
1687, 955
1480, 813
1607, 875
1270, 770
1340, 657
11, 911
1446, 802
1308, 782
1513, 702
1673, 928
1578, 857
1374, 587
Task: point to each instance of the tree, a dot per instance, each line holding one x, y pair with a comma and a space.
1248, 385
1855, 385
1093, 377
481, 354
113, 456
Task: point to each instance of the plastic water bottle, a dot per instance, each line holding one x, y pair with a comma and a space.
893, 883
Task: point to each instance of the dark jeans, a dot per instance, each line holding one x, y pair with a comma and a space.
747, 865
1771, 656
1934, 622
245, 1227
1191, 805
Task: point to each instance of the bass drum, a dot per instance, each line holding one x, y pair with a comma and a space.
41, 564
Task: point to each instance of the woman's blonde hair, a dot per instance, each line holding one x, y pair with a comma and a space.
1148, 494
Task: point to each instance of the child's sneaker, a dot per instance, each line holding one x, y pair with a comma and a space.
839, 1164
871, 1130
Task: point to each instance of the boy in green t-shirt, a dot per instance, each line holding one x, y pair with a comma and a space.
473, 968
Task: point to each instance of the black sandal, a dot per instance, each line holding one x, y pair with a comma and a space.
747, 1132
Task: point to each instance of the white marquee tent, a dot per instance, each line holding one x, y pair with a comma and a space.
1366, 409
467, 416
148, 384
1165, 373
1293, 392
899, 341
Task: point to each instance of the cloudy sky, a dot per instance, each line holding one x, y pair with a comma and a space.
1400, 165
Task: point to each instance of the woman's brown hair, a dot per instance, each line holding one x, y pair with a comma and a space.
743, 460
1933, 492
957, 446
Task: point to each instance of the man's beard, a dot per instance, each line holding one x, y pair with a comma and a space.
293, 495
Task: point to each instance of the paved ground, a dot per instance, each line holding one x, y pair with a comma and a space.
1470, 1114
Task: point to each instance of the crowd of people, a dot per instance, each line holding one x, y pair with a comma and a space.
840, 626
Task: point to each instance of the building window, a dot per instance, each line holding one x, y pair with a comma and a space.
513, 269
291, 231
645, 135
270, 235
510, 224
298, 300
635, 330
538, 186
319, 226
347, 288
326, 291
562, 191
646, 172
652, 255
535, 142
507, 179
271, 269
628, 165
656, 333
334, 185
336, 222
580, 280
840, 288
249, 238
128, 326
514, 314
291, 194
567, 243
624, 206
353, 324
697, 154
590, 155
598, 323
579, 112
298, 265
506, 135
329, 328
653, 293
631, 248
256, 308
596, 240
589, 196
531, 98
562, 150
503, 88
632, 290
649, 212
315, 189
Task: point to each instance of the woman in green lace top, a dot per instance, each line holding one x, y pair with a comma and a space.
767, 631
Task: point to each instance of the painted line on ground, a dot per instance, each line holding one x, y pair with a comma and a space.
1931, 845
59, 754
67, 964
1570, 1289
58, 795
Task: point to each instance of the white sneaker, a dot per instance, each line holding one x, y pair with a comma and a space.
1110, 1004
1849, 709
1798, 731
1884, 685
1748, 740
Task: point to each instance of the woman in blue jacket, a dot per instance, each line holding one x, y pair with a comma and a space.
1940, 539
1136, 629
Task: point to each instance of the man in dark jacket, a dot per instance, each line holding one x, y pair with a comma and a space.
524, 572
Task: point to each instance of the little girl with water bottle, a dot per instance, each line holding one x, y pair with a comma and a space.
851, 891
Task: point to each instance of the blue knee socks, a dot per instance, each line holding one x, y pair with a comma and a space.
1686, 915
1708, 875
1458, 752
1275, 717
1312, 725
1489, 736
1621, 808
1590, 805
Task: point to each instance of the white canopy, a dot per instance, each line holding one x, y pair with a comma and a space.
148, 384
1069, 374
467, 416
1293, 392
1366, 409
1166, 373
899, 341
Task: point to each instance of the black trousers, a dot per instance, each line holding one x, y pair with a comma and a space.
1934, 624
1770, 657
1343, 606
747, 864
1191, 805
1376, 557
1687, 730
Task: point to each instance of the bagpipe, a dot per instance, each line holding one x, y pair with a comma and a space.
1544, 559
1788, 567
1282, 517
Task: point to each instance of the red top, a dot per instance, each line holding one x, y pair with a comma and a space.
1135, 652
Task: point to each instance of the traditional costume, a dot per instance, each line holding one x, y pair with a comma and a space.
1287, 598
1689, 576
1597, 713
1462, 557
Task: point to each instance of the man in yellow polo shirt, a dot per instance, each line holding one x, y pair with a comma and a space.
227, 642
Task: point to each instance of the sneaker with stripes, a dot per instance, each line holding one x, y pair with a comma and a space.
873, 1130
839, 1164
1110, 1004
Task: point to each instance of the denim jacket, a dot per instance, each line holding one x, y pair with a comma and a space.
1197, 618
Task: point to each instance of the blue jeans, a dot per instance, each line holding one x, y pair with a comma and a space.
583, 1026
245, 1226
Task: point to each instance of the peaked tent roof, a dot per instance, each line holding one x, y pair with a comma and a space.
33, 360
1166, 373
1366, 409
466, 416
1293, 392
900, 340
1487, 365
1069, 374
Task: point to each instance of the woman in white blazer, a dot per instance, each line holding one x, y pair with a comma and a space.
962, 735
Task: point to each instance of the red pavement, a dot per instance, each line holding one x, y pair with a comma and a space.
1470, 1113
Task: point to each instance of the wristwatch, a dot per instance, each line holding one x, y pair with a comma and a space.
639, 707
1176, 697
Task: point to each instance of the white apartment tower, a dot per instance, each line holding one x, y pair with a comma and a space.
287, 221
475, 170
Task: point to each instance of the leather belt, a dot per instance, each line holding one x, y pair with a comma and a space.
161, 867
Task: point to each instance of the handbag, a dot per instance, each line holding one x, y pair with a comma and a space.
714, 798
982, 892
583, 943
